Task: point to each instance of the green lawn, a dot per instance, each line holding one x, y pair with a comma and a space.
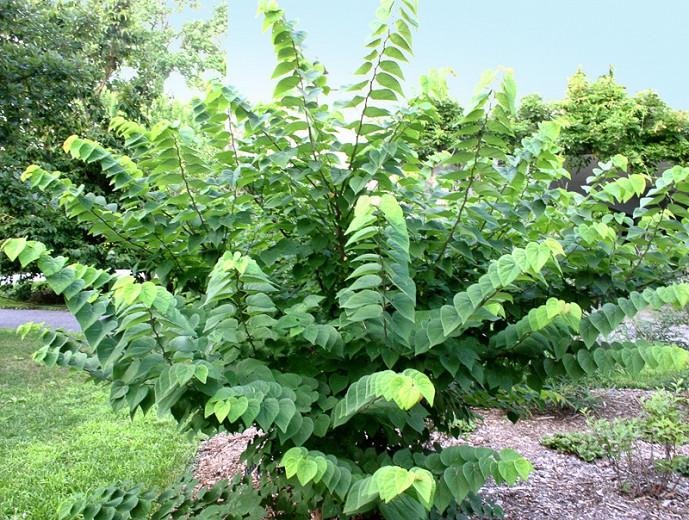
58, 437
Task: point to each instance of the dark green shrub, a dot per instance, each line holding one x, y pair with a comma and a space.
31, 291
680, 464
305, 274
567, 397
474, 507
20, 290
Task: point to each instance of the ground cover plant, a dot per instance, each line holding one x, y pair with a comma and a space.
304, 273
646, 379
642, 450
58, 436
581, 444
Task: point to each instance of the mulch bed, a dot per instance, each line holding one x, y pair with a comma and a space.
561, 487
218, 457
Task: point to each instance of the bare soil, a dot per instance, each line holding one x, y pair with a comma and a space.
561, 487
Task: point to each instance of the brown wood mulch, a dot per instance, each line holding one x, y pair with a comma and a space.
561, 487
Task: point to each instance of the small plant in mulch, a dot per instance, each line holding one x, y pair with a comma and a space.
581, 444
643, 451
465, 426
563, 397
557, 397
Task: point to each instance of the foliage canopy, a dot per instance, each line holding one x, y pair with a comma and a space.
305, 273
66, 66
599, 119
602, 120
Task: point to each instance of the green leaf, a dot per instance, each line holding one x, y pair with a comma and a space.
395, 53
148, 294
239, 406
423, 383
372, 111
285, 85
361, 495
13, 246
61, 280
392, 67
366, 312
389, 82
306, 471
403, 508
184, 372
292, 459
424, 485
286, 412
400, 42
524, 468
383, 95
456, 483
392, 481
283, 68
270, 409
201, 373
450, 319
33, 251
365, 67
221, 409
513, 466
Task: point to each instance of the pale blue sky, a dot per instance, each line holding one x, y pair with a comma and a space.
543, 41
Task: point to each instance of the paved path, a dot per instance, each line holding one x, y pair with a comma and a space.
12, 318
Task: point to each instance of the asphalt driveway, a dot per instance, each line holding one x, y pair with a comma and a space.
12, 318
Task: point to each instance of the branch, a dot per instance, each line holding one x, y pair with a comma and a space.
649, 243
188, 189
466, 193
125, 239
333, 207
368, 96
232, 139
158, 339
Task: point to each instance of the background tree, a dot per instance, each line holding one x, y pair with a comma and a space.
533, 110
439, 132
601, 119
70, 65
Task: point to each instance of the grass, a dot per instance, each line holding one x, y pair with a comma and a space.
647, 379
58, 437
8, 303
